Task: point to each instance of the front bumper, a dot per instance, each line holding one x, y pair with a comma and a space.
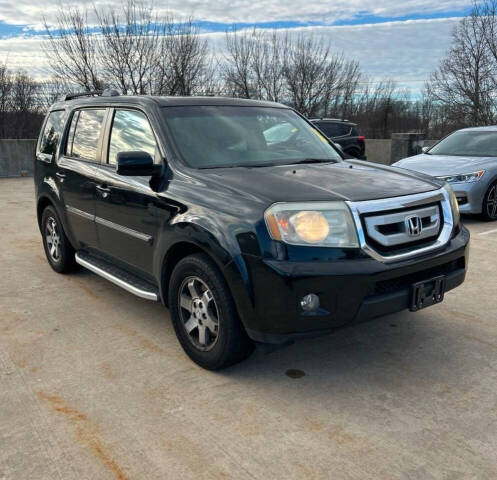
350, 290
470, 196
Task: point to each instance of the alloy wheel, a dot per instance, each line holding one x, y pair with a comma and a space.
52, 237
199, 313
492, 202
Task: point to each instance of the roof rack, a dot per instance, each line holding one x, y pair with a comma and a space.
93, 93
71, 96
331, 119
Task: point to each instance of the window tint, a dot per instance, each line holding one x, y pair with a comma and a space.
220, 136
85, 133
334, 129
131, 132
50, 137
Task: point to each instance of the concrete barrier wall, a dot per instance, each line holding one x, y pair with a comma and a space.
380, 150
17, 157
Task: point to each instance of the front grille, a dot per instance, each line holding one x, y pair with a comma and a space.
393, 285
388, 231
399, 228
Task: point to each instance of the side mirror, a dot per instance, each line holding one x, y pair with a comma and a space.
139, 164
425, 149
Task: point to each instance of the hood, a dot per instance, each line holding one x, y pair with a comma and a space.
440, 165
348, 180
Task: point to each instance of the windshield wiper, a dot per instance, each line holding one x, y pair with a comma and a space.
312, 160
244, 165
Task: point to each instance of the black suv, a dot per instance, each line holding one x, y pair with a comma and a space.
244, 234
345, 134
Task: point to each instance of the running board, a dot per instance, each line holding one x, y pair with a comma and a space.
117, 276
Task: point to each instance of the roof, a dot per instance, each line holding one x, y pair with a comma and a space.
163, 101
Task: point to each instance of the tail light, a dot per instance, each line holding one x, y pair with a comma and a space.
361, 138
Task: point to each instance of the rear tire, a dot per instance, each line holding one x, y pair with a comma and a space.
59, 252
204, 315
489, 207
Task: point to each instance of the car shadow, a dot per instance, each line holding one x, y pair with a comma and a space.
399, 348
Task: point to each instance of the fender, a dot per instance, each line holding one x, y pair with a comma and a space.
224, 252
48, 190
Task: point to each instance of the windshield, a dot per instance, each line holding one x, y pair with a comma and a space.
225, 136
468, 143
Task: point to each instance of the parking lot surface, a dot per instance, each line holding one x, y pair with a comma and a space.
94, 385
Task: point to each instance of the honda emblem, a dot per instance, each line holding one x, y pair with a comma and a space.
414, 226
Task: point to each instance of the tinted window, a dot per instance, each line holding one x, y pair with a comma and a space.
131, 132
50, 137
334, 129
219, 136
85, 133
472, 144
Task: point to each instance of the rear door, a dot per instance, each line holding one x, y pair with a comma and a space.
76, 171
127, 209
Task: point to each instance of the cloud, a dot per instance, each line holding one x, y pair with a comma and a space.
405, 51
27, 12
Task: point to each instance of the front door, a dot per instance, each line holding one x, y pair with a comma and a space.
127, 209
76, 170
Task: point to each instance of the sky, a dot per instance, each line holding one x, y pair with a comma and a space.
403, 40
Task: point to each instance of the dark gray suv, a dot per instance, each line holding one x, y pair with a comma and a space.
345, 134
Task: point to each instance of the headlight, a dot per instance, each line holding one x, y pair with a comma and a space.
324, 224
454, 206
463, 177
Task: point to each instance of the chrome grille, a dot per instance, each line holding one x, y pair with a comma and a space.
392, 229
383, 230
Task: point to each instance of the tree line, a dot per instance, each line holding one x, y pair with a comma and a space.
138, 51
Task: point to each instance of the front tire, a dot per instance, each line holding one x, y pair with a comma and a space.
59, 252
204, 314
489, 209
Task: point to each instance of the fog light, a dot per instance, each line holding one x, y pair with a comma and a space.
310, 302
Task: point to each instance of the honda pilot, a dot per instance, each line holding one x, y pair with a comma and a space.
246, 236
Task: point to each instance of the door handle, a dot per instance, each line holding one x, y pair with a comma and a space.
61, 176
105, 191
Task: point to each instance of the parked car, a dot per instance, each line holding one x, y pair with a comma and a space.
245, 235
345, 134
467, 159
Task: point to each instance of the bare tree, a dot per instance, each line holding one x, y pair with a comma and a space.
131, 49
269, 57
238, 62
128, 47
72, 49
52, 90
313, 74
184, 59
5, 88
464, 80
20, 116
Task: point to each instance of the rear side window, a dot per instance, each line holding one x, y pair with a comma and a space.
131, 132
84, 134
334, 129
50, 137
